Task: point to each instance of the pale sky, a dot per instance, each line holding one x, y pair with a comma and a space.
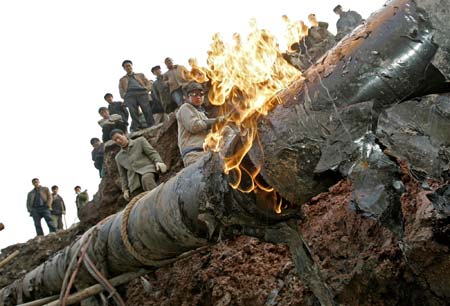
60, 57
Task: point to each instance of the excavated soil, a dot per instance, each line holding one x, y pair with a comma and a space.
362, 262
33, 253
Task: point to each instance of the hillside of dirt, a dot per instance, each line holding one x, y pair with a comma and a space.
360, 169
361, 261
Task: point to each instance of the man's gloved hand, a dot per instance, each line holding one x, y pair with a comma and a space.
212, 121
161, 167
220, 119
126, 195
209, 122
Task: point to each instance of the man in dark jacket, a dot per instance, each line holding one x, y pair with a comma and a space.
39, 205
109, 123
58, 208
116, 107
347, 21
160, 91
97, 155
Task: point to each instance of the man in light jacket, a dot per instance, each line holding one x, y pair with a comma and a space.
193, 124
175, 77
138, 163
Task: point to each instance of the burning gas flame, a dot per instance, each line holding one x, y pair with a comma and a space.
296, 30
245, 77
197, 73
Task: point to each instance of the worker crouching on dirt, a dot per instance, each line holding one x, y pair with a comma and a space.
193, 124
138, 163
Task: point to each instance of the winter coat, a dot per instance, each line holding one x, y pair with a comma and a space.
58, 207
161, 92
192, 129
140, 77
82, 199
46, 196
119, 108
176, 77
114, 122
137, 159
347, 22
97, 156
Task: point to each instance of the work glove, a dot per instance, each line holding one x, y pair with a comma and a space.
220, 119
212, 121
126, 195
161, 167
209, 122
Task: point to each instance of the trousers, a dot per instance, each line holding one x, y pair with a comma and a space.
42, 212
133, 102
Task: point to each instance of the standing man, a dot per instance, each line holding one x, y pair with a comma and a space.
138, 163
58, 209
161, 91
39, 205
134, 88
176, 77
81, 199
97, 155
116, 107
347, 21
193, 124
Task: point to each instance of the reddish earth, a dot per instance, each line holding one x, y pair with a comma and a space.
361, 261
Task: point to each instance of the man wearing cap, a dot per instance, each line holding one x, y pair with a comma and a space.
176, 77
134, 88
193, 124
39, 205
160, 91
347, 21
138, 163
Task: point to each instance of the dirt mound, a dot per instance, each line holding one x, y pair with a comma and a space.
33, 253
360, 260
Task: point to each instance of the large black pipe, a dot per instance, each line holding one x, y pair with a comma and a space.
185, 213
317, 126
381, 63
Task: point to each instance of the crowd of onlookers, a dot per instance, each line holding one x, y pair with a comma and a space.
41, 203
148, 102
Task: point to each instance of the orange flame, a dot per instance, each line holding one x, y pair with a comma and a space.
197, 73
295, 30
245, 77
